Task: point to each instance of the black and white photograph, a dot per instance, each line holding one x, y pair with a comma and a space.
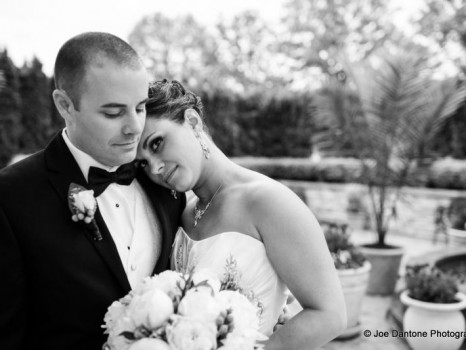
233, 175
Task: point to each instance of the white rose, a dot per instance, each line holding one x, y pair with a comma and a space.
207, 276
114, 313
149, 344
190, 334
235, 341
84, 201
168, 281
115, 339
201, 305
150, 309
243, 311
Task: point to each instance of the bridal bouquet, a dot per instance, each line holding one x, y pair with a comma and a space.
175, 311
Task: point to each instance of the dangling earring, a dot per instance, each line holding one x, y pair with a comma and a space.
205, 148
173, 192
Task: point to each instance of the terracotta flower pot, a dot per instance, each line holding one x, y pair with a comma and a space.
429, 326
385, 268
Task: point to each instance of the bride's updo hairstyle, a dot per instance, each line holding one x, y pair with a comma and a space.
169, 99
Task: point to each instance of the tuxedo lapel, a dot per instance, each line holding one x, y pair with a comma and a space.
63, 170
108, 251
158, 198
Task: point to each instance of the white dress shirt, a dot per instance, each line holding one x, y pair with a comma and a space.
130, 218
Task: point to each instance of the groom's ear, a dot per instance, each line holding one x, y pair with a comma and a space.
192, 118
64, 104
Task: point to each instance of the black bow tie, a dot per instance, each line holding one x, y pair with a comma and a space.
99, 179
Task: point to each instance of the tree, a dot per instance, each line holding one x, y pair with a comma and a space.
10, 110
317, 32
275, 124
178, 48
35, 107
443, 24
2, 80
248, 54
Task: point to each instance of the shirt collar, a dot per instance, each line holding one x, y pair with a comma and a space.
84, 160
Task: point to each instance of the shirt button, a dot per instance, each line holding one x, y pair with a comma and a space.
133, 267
117, 205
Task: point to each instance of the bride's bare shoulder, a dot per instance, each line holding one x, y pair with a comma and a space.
261, 185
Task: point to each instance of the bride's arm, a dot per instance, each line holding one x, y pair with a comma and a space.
297, 250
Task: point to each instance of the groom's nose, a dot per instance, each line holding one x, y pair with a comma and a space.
134, 123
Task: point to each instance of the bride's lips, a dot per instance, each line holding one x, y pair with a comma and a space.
169, 175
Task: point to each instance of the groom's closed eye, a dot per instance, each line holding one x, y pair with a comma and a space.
114, 113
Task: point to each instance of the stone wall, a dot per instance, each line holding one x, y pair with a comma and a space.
415, 210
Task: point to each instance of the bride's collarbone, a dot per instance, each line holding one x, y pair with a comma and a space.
225, 214
212, 227
203, 229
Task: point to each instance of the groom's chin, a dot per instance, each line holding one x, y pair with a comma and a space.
128, 155
123, 158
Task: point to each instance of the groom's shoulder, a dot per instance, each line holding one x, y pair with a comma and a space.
28, 169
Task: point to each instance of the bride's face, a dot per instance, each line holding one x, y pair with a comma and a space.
170, 153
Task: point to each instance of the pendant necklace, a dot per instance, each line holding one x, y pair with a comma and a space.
199, 213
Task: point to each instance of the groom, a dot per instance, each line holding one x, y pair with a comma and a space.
59, 276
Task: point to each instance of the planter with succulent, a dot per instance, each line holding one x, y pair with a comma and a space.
353, 271
433, 316
457, 217
386, 116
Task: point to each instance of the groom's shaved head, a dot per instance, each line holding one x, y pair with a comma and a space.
78, 53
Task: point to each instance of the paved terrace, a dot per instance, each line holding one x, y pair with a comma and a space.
382, 313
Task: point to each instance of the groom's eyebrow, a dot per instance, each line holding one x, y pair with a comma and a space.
113, 105
121, 105
144, 145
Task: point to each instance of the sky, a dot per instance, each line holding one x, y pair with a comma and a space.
38, 28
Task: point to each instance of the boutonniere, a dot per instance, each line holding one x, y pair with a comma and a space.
83, 206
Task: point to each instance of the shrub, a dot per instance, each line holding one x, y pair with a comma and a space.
443, 173
344, 253
430, 284
447, 173
457, 213
326, 170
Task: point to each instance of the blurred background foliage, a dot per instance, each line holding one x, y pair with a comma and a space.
258, 81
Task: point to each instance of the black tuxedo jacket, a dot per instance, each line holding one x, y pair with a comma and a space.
56, 282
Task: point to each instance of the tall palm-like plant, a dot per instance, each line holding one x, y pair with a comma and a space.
388, 114
2, 80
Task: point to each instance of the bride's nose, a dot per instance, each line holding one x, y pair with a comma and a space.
156, 166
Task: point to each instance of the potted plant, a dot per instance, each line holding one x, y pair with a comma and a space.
457, 218
434, 309
353, 271
386, 114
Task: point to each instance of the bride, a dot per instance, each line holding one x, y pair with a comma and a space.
242, 218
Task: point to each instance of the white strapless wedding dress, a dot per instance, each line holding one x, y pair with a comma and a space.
256, 273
